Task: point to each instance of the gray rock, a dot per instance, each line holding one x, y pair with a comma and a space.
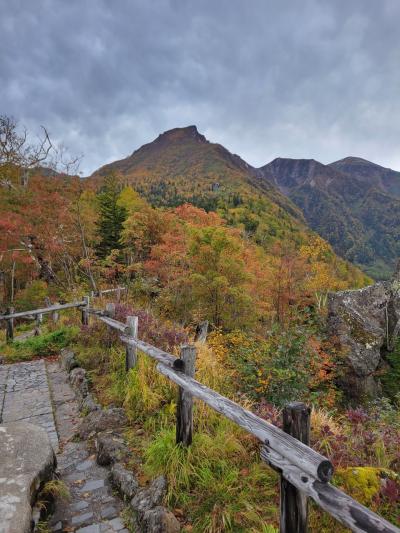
364, 323
88, 404
159, 520
102, 420
79, 381
124, 481
110, 448
150, 497
68, 360
28, 462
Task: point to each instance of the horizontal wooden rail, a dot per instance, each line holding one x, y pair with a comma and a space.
112, 323
152, 351
305, 458
332, 500
97, 312
106, 291
43, 311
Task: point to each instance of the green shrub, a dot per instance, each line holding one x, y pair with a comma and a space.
391, 378
216, 479
42, 345
32, 297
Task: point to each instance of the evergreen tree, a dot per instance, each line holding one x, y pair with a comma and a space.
112, 217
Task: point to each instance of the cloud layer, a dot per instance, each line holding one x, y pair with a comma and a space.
266, 78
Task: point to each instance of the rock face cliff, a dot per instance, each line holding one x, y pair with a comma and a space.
364, 324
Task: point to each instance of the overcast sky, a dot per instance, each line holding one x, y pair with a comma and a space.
265, 78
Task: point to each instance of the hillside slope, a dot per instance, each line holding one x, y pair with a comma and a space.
182, 166
351, 203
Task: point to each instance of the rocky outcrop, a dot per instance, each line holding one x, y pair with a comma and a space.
364, 324
28, 461
110, 448
102, 420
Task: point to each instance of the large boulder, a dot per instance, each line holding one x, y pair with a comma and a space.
364, 324
79, 382
102, 420
159, 520
28, 461
68, 360
110, 448
124, 481
151, 496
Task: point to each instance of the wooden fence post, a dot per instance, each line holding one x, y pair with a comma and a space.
201, 332
38, 323
85, 314
132, 323
10, 326
55, 315
184, 408
110, 312
293, 509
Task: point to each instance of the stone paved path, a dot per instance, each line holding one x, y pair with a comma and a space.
38, 392
26, 397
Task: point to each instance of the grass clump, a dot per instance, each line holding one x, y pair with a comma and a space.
218, 480
43, 345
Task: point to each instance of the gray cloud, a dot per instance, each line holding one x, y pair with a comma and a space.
316, 78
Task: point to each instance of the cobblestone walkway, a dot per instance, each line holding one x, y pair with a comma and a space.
26, 397
39, 393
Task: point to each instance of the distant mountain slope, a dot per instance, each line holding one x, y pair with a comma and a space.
181, 165
371, 174
352, 203
184, 164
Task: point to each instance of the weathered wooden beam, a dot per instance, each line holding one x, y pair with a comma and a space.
152, 351
184, 406
84, 311
38, 323
98, 312
54, 314
332, 500
130, 351
293, 505
113, 324
110, 310
43, 311
106, 291
305, 458
10, 326
201, 332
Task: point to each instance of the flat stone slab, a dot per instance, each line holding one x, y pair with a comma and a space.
27, 461
25, 396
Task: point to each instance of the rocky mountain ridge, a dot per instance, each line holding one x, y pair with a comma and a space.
352, 203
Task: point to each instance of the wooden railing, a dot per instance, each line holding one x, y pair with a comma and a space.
100, 292
37, 314
304, 472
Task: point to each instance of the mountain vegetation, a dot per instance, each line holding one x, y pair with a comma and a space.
352, 203
194, 233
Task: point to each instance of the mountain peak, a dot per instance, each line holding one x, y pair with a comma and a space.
179, 134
